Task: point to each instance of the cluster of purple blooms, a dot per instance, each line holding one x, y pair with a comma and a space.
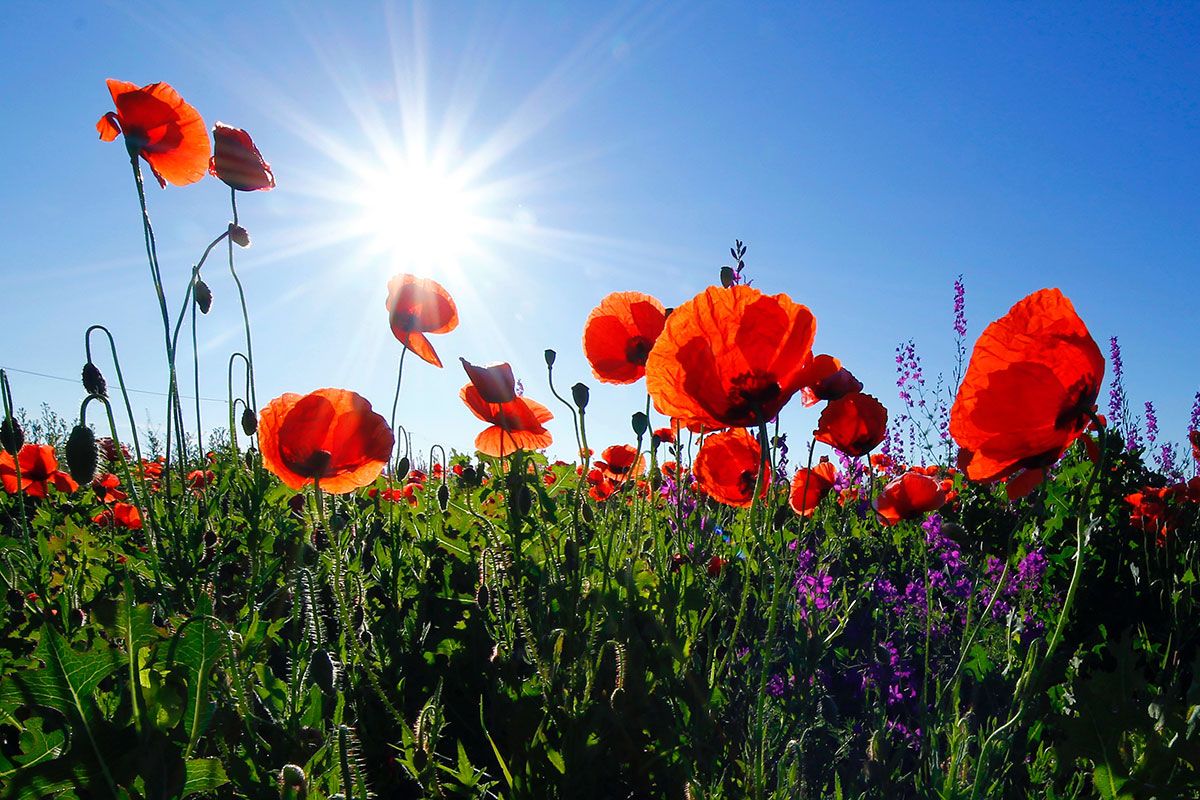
679, 497
813, 586
1027, 581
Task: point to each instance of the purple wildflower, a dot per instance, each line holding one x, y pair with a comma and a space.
1151, 424
1116, 390
960, 306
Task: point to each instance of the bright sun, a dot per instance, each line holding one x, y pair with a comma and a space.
419, 214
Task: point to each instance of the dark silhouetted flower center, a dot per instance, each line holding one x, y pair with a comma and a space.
753, 396
315, 466
637, 350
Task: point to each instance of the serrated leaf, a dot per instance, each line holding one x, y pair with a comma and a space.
65, 683
36, 747
199, 648
203, 775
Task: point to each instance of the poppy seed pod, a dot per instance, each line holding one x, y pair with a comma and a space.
293, 782
12, 438
249, 422
640, 423
579, 393
550, 356
82, 454
203, 296
93, 381
239, 235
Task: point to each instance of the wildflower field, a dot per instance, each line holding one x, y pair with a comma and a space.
978, 587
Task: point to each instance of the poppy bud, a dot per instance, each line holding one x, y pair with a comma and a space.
443, 495
579, 393
11, 436
249, 459
239, 235
524, 501
550, 356
640, 423
82, 454
93, 381
293, 783
203, 296
249, 422
402, 468
727, 276
571, 554
323, 671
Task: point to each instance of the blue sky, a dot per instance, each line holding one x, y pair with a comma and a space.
867, 154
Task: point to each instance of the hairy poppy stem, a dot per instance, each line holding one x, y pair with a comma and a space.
396, 398
232, 402
245, 312
156, 277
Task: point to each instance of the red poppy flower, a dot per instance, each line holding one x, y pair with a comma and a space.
664, 435
731, 357
829, 381
809, 486
854, 424
331, 436
495, 382
727, 467
417, 306
1029, 391
1152, 510
161, 128
105, 487
910, 496
39, 469
715, 565
124, 515
600, 487
621, 462
619, 334
237, 162
515, 425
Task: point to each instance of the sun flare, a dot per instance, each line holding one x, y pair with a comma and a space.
417, 213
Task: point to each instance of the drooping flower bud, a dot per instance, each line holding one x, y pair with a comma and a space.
93, 382
550, 356
82, 454
580, 394
727, 276
239, 235
249, 422
443, 496
203, 296
402, 467
12, 438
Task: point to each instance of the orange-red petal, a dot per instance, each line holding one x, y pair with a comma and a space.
727, 468
620, 333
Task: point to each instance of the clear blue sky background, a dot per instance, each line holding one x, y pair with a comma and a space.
867, 153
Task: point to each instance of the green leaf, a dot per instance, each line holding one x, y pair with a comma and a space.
65, 683
203, 775
36, 746
199, 648
1109, 785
